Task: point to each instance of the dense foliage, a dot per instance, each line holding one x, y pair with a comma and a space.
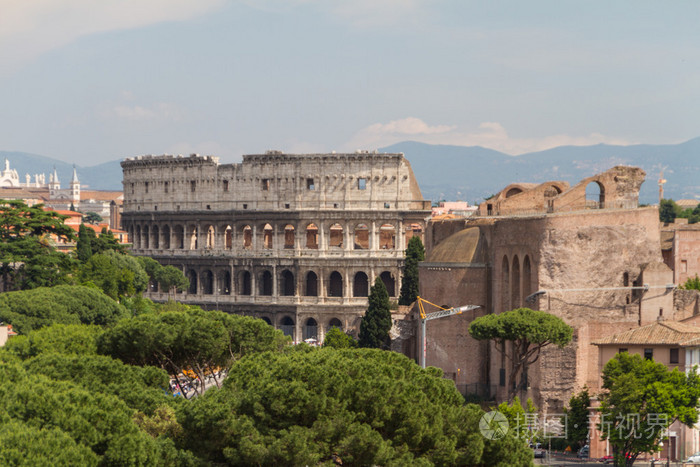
375, 325
415, 252
337, 339
641, 400
31, 309
527, 331
353, 406
577, 419
669, 211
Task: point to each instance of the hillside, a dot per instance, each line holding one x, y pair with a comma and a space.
471, 173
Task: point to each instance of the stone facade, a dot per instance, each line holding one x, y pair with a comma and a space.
297, 240
589, 261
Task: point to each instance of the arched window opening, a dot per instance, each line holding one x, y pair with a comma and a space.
516, 299
225, 282
595, 195
166, 237
287, 283
413, 230
267, 320
156, 237
513, 192
360, 285
335, 323
179, 237
145, 237
193, 237
505, 284
311, 284
289, 236
287, 327
387, 237
311, 330
244, 285
228, 238
137, 237
247, 237
527, 277
211, 237
207, 283
192, 276
312, 236
267, 237
266, 283
361, 237
389, 283
336, 236
335, 286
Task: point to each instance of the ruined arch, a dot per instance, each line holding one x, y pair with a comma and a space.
595, 195
528, 280
361, 237
192, 277
288, 236
207, 282
513, 191
335, 238
312, 236
360, 285
387, 237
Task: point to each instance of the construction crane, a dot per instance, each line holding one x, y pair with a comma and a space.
424, 317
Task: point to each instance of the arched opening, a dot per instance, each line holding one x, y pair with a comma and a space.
207, 282
267, 237
228, 238
193, 237
225, 281
289, 236
287, 283
361, 237
595, 195
166, 237
626, 279
312, 236
311, 330
336, 236
287, 327
335, 323
413, 230
311, 284
387, 237
389, 283
513, 191
551, 191
527, 277
156, 237
267, 320
211, 237
179, 237
505, 284
360, 285
137, 237
266, 283
192, 276
145, 237
335, 285
515, 300
247, 232
244, 283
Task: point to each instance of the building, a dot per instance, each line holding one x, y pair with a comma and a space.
586, 253
295, 239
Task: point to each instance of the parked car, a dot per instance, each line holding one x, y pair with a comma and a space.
694, 459
538, 450
583, 452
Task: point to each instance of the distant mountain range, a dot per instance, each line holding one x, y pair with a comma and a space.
471, 173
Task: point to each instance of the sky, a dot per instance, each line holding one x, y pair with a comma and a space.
88, 81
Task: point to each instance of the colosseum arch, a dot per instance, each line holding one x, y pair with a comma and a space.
145, 238
311, 329
156, 237
211, 237
166, 237
288, 236
505, 284
287, 284
312, 236
335, 238
516, 299
389, 282
179, 237
266, 283
387, 237
207, 282
335, 285
244, 283
361, 237
267, 235
192, 236
311, 285
137, 237
247, 237
228, 237
266, 319
287, 327
360, 285
225, 282
334, 323
192, 277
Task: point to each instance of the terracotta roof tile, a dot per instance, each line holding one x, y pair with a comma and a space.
661, 332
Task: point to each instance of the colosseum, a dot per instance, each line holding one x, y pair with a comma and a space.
294, 239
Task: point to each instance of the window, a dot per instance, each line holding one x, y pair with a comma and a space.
648, 354
310, 184
674, 356
386, 206
166, 186
193, 186
266, 184
208, 207
684, 265
245, 206
362, 183
146, 186
286, 205
132, 188
225, 184
621, 350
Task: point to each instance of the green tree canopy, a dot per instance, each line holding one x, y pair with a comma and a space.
337, 339
92, 218
527, 332
375, 326
117, 275
84, 246
76, 339
297, 408
28, 310
28, 258
409, 284
577, 418
641, 400
106, 241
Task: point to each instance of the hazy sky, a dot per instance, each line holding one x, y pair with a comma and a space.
88, 81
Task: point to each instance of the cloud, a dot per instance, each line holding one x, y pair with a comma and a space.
160, 111
488, 134
30, 28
